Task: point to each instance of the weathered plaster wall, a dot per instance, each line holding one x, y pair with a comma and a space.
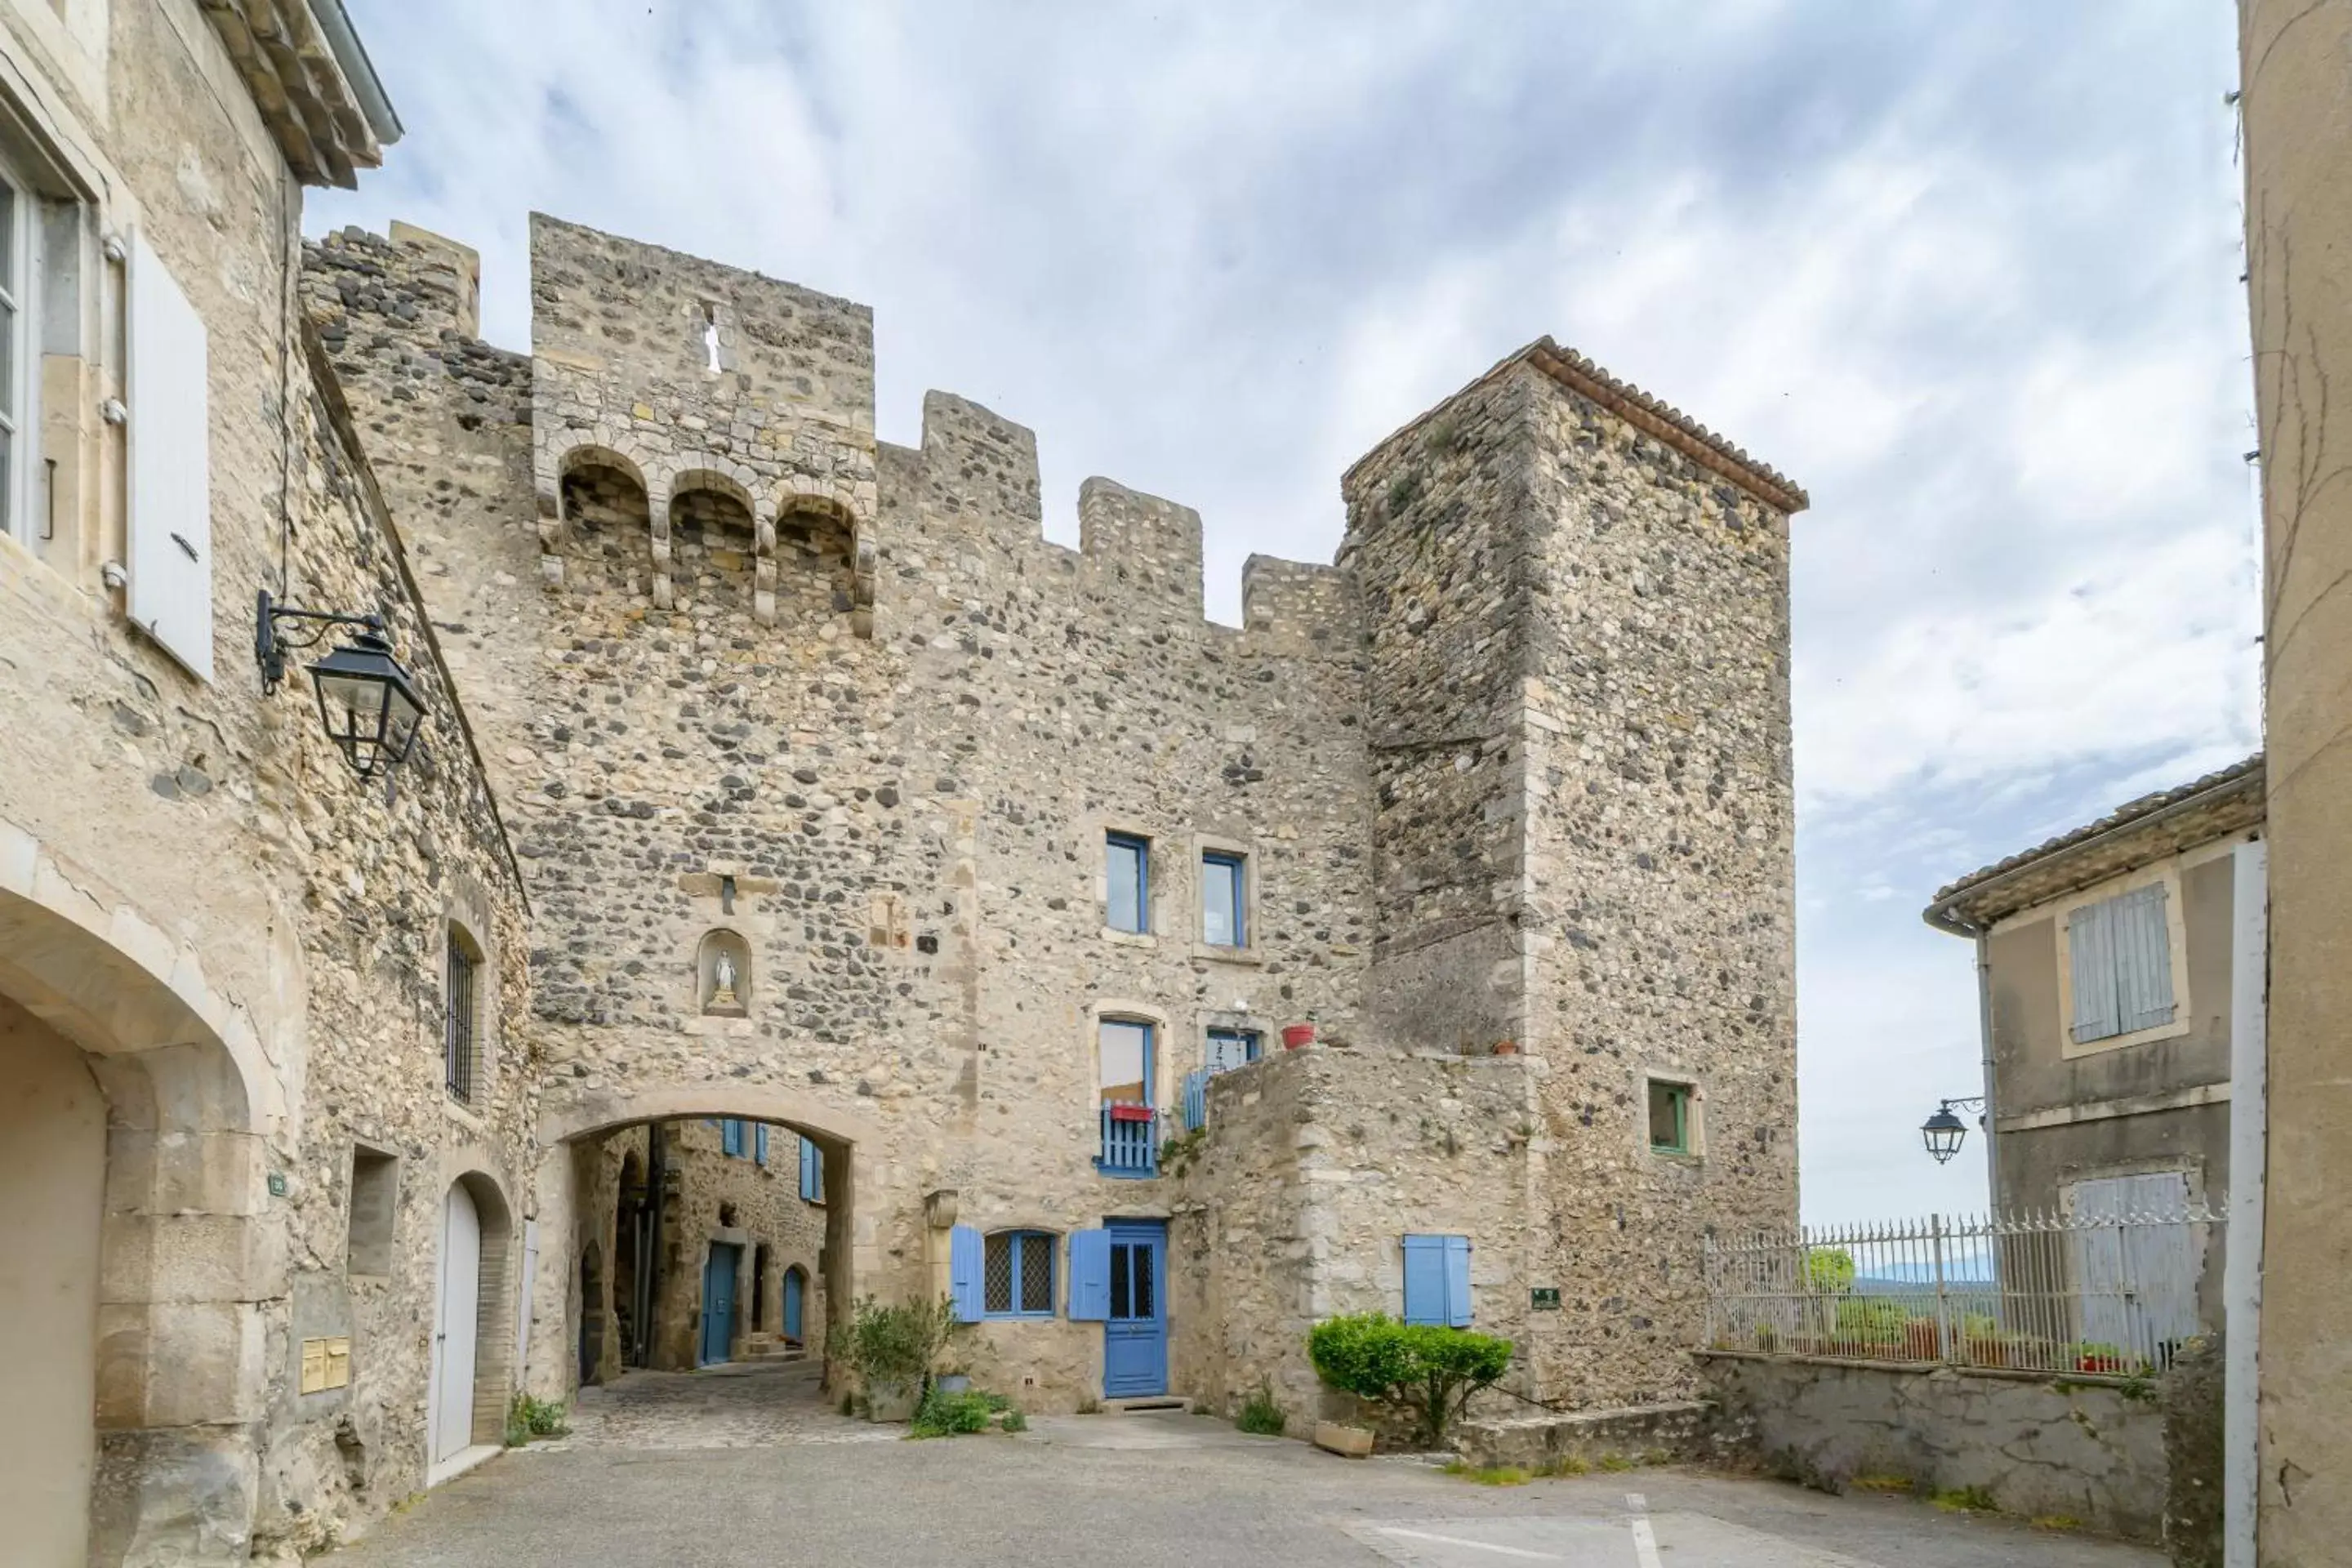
2298, 156
2087, 1452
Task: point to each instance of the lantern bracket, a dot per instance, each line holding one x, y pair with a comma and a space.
271, 643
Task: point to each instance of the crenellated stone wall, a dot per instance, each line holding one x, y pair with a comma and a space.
1511, 782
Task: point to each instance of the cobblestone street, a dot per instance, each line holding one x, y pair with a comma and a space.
746, 1465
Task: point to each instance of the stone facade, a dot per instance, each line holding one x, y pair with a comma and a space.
769, 772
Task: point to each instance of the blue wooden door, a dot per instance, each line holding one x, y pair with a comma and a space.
791, 1303
1135, 1335
717, 1305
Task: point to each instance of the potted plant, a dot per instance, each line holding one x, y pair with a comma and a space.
892, 1349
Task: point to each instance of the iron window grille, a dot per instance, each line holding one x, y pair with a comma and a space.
1018, 1275
460, 1040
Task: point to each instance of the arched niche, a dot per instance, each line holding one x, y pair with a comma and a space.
722, 975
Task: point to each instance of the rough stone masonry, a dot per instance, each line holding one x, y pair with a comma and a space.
1510, 782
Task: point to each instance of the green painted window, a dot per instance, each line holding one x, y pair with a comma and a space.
1670, 1118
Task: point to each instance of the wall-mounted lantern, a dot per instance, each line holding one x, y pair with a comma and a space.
1944, 1132
366, 700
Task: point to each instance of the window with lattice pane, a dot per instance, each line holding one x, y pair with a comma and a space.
1017, 1275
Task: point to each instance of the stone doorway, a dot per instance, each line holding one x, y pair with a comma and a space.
661, 1197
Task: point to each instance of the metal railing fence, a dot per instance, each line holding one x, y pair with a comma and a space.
2110, 1294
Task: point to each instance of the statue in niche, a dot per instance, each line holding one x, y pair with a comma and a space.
725, 976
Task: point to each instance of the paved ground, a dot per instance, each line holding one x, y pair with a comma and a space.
746, 1466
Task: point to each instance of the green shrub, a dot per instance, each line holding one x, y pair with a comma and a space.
1418, 1367
1261, 1416
951, 1414
1014, 1420
898, 1344
527, 1418
1829, 1271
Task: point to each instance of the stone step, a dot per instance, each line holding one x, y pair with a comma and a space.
1144, 1403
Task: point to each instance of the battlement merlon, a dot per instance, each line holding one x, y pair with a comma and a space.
1141, 546
1297, 607
1628, 403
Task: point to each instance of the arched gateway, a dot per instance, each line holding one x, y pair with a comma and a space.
132, 1214
570, 1223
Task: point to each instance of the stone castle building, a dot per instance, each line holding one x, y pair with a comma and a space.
778, 784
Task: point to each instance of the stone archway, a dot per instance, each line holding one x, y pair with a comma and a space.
186, 1254
851, 1252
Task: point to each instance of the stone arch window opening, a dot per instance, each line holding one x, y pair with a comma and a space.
816, 554
711, 337
460, 1015
712, 534
603, 496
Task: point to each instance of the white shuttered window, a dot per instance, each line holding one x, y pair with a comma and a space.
2121, 968
170, 443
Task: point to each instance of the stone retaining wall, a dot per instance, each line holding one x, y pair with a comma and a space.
2043, 1447
1688, 1429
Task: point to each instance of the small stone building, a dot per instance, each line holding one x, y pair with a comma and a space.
769, 775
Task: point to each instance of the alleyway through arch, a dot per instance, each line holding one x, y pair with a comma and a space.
743, 1405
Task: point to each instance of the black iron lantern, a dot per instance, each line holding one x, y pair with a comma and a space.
1943, 1133
366, 699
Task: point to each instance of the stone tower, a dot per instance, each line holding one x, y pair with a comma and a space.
1577, 604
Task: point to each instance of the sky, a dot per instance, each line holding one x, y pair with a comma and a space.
1970, 275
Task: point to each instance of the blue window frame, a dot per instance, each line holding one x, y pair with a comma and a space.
1123, 1076
1230, 1048
1130, 861
1017, 1276
1224, 902
812, 1172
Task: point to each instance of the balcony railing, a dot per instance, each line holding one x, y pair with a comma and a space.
1131, 1142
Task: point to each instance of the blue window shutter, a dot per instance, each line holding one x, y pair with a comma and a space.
2091, 940
1457, 1281
809, 1185
759, 1142
731, 1136
964, 1273
2143, 959
1090, 1276
1424, 1280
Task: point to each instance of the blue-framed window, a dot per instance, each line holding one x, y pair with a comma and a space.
812, 1172
759, 1142
1225, 899
1123, 1058
1017, 1280
1128, 859
1230, 1048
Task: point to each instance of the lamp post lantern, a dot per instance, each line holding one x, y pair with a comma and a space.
1944, 1132
367, 703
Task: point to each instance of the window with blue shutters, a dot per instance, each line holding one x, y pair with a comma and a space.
1128, 889
1437, 1281
730, 1137
812, 1172
1017, 1275
2120, 952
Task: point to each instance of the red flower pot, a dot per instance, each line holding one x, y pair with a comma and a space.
1125, 1111
1296, 1035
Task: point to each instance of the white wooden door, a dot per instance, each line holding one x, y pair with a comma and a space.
449, 1403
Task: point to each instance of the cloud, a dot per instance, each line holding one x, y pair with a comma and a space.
1967, 273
